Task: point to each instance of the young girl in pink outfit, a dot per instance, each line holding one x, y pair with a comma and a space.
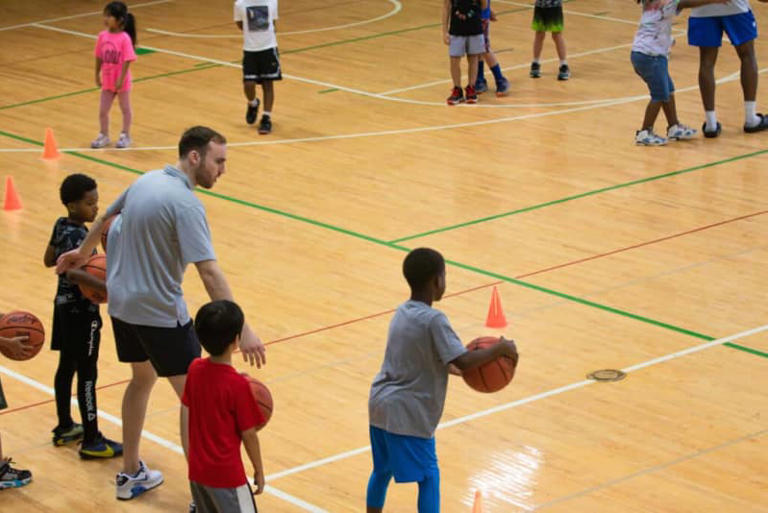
114, 54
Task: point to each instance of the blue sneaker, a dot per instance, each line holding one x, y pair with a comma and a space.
11, 477
481, 86
100, 448
502, 87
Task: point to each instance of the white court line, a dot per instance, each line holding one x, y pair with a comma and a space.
396, 8
83, 15
157, 439
526, 400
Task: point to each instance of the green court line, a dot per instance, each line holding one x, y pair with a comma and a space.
381, 242
746, 349
579, 196
199, 67
144, 51
331, 90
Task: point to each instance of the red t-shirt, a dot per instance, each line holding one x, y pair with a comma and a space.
221, 407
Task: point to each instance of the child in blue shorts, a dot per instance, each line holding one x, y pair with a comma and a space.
481, 84
649, 58
408, 394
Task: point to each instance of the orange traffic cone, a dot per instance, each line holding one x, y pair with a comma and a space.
477, 507
496, 317
12, 200
50, 152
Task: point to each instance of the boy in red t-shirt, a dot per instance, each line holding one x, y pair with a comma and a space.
222, 413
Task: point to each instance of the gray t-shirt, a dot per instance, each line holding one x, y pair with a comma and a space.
161, 228
408, 394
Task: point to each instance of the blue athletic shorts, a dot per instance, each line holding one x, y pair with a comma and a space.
741, 28
408, 458
654, 71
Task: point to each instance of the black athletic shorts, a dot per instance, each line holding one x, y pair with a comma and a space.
261, 66
76, 330
171, 350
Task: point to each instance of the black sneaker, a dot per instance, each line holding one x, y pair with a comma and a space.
11, 477
265, 126
711, 134
564, 73
457, 96
100, 448
68, 435
535, 70
762, 125
252, 113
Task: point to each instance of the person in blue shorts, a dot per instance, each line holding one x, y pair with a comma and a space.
481, 84
408, 394
705, 30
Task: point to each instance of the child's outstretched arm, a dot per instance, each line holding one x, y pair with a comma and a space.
472, 359
252, 447
79, 256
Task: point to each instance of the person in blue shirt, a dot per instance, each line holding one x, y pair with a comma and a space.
481, 85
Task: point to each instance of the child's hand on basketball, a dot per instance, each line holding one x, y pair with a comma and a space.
452, 369
70, 260
17, 347
510, 348
252, 348
258, 481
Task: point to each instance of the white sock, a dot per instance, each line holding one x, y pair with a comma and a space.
536, 61
711, 120
268, 113
750, 114
564, 62
254, 102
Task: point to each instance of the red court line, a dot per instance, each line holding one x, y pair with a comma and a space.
466, 291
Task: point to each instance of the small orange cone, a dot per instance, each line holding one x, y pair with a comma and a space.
496, 317
477, 507
50, 152
12, 200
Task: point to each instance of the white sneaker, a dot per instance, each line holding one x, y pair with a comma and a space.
100, 142
648, 138
680, 132
123, 141
130, 486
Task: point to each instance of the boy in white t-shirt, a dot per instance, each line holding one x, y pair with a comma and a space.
650, 49
705, 30
261, 61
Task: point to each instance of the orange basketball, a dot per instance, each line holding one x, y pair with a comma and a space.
96, 266
263, 398
492, 376
104, 234
21, 324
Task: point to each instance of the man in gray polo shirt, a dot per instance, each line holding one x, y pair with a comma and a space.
160, 228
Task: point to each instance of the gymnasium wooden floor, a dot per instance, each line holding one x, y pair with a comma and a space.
606, 255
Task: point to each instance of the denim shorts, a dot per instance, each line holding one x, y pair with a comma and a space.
653, 70
741, 28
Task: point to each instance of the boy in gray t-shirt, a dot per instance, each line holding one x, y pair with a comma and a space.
408, 394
